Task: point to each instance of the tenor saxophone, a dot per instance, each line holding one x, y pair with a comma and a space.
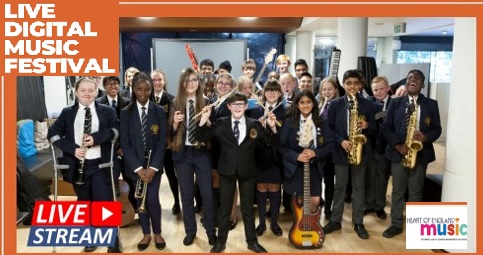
409, 160
356, 137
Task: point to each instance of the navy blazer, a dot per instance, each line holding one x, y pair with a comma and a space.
394, 127
236, 158
290, 149
126, 93
337, 116
63, 132
132, 138
122, 102
379, 143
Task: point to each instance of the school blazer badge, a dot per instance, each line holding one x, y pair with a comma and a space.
155, 129
253, 133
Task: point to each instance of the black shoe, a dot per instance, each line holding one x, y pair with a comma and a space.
321, 202
90, 248
233, 224
276, 230
143, 246
361, 231
198, 209
381, 214
257, 248
367, 211
392, 231
348, 199
331, 227
161, 244
328, 214
114, 249
260, 230
218, 248
212, 239
188, 239
176, 209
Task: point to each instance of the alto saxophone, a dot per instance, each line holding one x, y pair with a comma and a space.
414, 146
356, 137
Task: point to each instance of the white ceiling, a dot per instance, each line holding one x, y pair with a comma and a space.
383, 27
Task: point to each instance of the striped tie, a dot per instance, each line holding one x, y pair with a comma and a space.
87, 121
409, 111
144, 118
191, 127
113, 104
236, 130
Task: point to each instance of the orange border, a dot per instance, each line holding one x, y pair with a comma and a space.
334, 9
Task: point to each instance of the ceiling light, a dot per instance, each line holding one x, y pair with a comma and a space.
444, 32
147, 18
248, 18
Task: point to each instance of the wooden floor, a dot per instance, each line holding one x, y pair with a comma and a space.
345, 241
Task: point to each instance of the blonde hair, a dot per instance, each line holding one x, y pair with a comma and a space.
332, 81
159, 71
282, 58
380, 78
249, 63
242, 80
132, 70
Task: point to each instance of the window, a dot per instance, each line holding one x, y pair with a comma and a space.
440, 62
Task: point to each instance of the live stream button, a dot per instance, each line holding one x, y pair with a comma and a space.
106, 214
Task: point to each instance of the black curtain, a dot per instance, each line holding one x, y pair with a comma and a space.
30, 98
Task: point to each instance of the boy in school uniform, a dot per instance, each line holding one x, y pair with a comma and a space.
238, 136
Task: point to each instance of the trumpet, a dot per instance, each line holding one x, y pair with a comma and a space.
80, 177
141, 190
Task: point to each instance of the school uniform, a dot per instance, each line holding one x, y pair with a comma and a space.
338, 116
67, 134
136, 155
236, 164
394, 131
379, 168
192, 165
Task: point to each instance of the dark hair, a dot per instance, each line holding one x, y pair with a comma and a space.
272, 84
418, 72
225, 65
207, 62
237, 96
306, 74
294, 112
136, 80
110, 78
353, 73
301, 61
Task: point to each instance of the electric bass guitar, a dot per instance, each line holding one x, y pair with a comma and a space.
306, 231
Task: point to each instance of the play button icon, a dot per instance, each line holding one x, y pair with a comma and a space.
106, 214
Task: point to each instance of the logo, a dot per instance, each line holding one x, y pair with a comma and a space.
253, 133
436, 225
75, 223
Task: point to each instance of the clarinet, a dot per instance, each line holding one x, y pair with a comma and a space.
80, 177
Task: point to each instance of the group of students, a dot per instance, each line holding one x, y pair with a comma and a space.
207, 146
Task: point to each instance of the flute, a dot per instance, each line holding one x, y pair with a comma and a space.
218, 102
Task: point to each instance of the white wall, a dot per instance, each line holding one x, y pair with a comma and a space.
55, 95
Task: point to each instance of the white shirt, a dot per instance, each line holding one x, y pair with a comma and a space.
109, 99
314, 129
93, 152
141, 110
242, 127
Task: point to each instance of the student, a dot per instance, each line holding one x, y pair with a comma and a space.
426, 130
164, 99
225, 67
114, 99
287, 81
339, 116
273, 75
207, 66
190, 156
238, 137
328, 93
249, 67
305, 82
300, 67
283, 63
143, 142
305, 115
84, 132
379, 167
269, 162
128, 75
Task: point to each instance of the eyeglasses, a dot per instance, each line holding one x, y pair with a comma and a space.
207, 68
238, 105
271, 92
194, 80
224, 83
112, 83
